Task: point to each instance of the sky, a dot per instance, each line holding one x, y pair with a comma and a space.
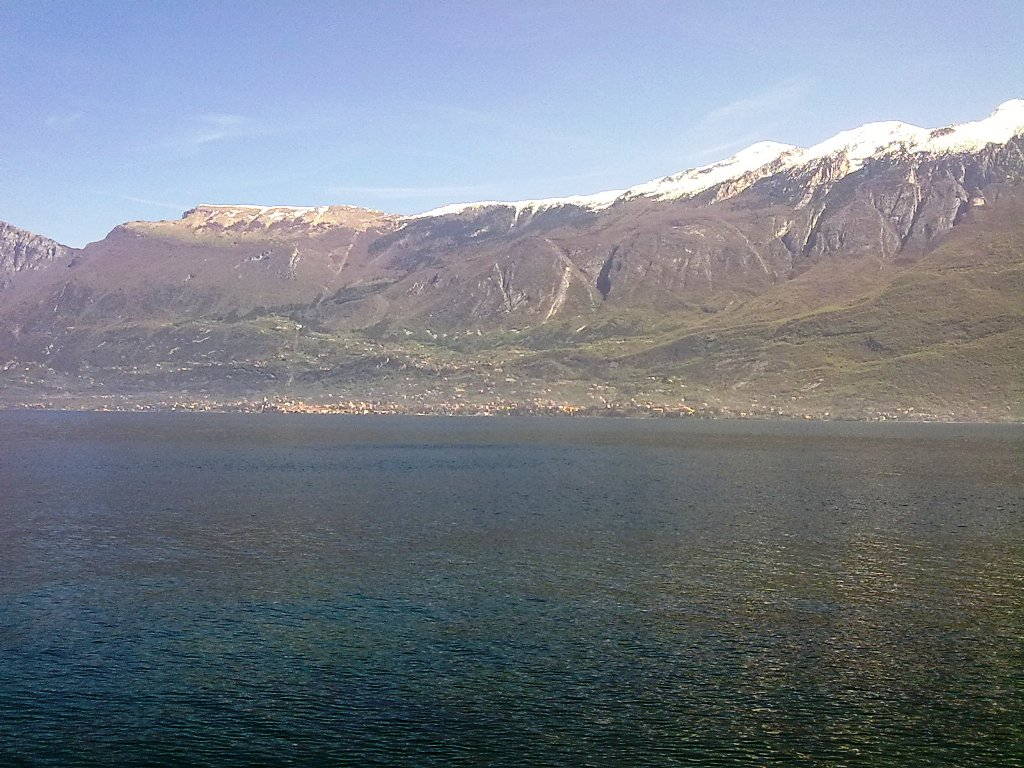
116, 111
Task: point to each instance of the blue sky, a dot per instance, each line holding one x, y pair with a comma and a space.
111, 111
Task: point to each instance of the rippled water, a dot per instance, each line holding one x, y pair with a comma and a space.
240, 590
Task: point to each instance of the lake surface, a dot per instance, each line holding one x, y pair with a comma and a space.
318, 590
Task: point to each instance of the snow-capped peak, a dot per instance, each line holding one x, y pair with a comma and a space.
877, 139
684, 184
873, 140
851, 148
861, 143
694, 181
998, 128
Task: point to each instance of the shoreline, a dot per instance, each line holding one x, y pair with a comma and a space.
609, 413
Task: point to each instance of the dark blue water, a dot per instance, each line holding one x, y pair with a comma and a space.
274, 590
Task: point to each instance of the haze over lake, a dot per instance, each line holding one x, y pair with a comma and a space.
238, 589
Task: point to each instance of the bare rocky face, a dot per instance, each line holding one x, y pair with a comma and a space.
21, 250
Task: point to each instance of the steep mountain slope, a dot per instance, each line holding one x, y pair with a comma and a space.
879, 270
21, 250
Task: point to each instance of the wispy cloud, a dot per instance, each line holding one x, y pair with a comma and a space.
212, 127
449, 192
397, 193
534, 129
724, 130
770, 101
221, 127
196, 132
154, 203
142, 200
63, 120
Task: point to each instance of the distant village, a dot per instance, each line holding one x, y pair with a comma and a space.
532, 407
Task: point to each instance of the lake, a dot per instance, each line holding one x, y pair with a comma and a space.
220, 589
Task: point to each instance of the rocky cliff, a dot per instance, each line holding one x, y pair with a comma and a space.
21, 250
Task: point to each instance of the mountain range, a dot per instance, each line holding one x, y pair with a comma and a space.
877, 274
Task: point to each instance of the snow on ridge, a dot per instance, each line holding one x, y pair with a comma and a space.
998, 128
596, 202
692, 182
877, 139
684, 184
297, 210
853, 147
266, 215
859, 144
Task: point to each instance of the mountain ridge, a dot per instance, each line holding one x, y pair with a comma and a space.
868, 141
572, 296
859, 144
